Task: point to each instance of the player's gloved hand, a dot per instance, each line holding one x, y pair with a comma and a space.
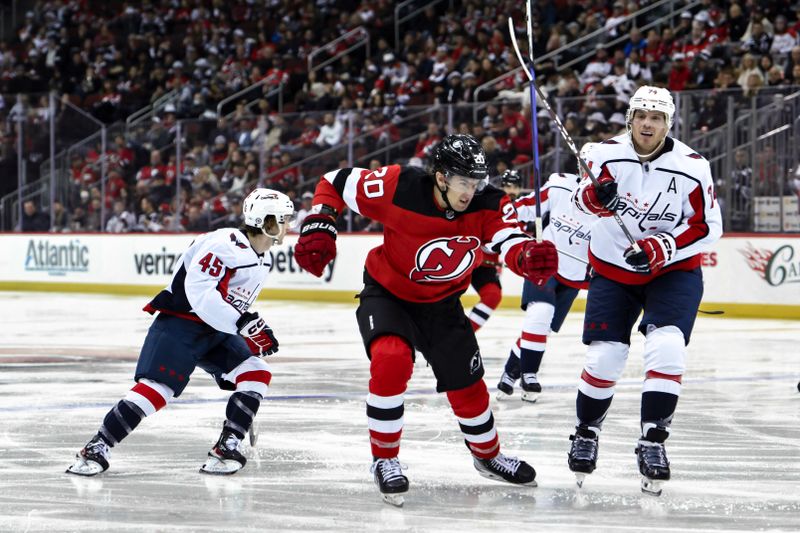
538, 261
601, 199
656, 250
316, 246
257, 334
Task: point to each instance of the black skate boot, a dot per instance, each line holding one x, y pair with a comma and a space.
653, 462
531, 389
92, 459
224, 458
505, 388
582, 456
388, 475
504, 468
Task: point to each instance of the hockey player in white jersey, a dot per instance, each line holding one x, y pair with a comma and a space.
546, 306
664, 194
203, 321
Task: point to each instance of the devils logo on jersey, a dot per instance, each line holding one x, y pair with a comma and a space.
445, 259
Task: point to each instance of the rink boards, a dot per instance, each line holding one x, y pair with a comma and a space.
747, 275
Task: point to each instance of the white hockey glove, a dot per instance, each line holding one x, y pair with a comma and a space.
257, 334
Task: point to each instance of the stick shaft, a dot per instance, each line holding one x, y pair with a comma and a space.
563, 131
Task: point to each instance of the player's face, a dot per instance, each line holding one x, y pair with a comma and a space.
460, 191
277, 230
649, 129
512, 190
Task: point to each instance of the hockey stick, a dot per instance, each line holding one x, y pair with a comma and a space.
563, 131
252, 434
537, 173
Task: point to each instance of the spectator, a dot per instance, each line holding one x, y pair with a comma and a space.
758, 41
702, 74
427, 141
679, 73
33, 220
331, 132
149, 219
737, 23
749, 67
122, 220
740, 187
784, 39
60, 217
197, 220
305, 209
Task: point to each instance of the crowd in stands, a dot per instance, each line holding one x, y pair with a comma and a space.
112, 58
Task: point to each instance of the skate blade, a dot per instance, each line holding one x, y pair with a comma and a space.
394, 499
580, 477
530, 397
82, 467
220, 467
652, 487
495, 477
502, 396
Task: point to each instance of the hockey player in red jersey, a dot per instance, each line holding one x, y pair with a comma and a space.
434, 224
486, 276
203, 321
663, 192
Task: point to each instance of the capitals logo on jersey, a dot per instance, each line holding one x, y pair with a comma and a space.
445, 259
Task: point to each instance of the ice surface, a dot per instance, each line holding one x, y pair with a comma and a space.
66, 358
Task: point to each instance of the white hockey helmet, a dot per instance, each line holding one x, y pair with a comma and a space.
263, 203
651, 98
584, 153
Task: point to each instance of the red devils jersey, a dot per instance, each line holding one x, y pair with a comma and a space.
428, 252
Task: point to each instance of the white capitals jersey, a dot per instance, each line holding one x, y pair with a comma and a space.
566, 227
219, 278
673, 193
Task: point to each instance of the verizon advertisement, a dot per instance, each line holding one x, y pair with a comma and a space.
749, 270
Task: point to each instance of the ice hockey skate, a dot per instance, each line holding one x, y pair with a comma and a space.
582, 457
503, 468
92, 459
531, 389
505, 388
388, 475
653, 465
224, 458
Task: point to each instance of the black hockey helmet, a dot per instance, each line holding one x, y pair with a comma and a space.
461, 155
511, 177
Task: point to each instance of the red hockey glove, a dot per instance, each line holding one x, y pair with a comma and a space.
538, 261
601, 200
257, 334
656, 251
316, 246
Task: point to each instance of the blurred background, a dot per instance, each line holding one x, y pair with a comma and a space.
161, 115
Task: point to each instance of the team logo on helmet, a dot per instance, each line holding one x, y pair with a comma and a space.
444, 259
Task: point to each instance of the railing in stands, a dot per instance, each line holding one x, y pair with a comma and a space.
400, 19
275, 92
355, 38
149, 111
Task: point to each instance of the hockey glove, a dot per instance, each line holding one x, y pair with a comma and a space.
316, 246
601, 199
538, 261
257, 334
656, 251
